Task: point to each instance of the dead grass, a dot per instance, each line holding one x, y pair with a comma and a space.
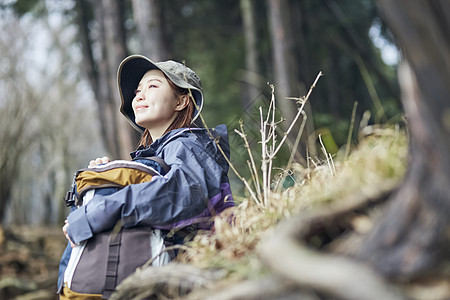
379, 156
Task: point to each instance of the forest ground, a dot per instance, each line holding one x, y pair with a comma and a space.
234, 255
29, 259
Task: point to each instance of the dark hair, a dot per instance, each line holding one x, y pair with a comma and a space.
182, 120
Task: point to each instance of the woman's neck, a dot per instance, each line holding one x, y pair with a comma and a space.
156, 133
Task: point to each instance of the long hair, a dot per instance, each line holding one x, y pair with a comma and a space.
182, 120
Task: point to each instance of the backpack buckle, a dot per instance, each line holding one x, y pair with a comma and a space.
71, 195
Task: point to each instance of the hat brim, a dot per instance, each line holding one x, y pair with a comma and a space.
130, 72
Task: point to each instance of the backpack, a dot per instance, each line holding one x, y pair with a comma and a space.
116, 174
109, 257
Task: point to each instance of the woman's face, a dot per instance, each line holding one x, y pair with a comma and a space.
155, 105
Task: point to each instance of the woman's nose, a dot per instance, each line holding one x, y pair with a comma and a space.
139, 97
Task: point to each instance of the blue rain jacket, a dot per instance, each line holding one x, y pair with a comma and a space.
195, 188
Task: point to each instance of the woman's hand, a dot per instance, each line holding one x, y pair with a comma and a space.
99, 161
64, 229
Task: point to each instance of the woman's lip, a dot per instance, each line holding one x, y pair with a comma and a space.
140, 107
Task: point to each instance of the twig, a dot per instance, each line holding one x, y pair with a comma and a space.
272, 101
298, 114
307, 163
314, 163
297, 140
166, 249
380, 113
350, 131
253, 169
332, 164
264, 155
246, 184
273, 127
324, 150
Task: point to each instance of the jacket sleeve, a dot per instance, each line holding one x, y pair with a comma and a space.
179, 195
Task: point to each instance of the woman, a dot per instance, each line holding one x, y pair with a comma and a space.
161, 100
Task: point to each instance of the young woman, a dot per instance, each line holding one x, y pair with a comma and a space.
162, 100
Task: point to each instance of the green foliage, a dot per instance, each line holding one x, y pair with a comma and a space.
22, 7
328, 36
207, 35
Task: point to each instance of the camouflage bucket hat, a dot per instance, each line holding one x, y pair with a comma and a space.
132, 69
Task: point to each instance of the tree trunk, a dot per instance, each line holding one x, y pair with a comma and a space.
412, 240
283, 60
250, 86
101, 70
18, 105
92, 69
104, 94
148, 18
115, 52
286, 75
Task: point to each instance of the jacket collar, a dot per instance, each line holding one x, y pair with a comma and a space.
219, 132
161, 142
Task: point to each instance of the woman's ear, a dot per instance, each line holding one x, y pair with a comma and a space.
183, 101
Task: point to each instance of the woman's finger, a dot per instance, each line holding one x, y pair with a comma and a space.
99, 161
64, 229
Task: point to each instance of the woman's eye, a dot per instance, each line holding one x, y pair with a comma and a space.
152, 86
137, 92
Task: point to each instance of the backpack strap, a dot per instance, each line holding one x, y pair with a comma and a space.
160, 161
71, 198
170, 238
178, 237
112, 265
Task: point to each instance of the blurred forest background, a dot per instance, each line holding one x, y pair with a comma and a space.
361, 214
59, 100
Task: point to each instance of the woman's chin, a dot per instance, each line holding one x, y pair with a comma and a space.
141, 122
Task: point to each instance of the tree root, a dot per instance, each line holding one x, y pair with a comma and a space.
287, 254
297, 269
171, 281
268, 288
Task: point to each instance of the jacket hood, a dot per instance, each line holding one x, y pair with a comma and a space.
219, 133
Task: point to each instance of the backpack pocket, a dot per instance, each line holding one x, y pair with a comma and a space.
109, 257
